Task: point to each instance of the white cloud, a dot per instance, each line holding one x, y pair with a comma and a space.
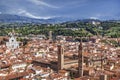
93, 17
42, 3
0, 12
96, 16
28, 14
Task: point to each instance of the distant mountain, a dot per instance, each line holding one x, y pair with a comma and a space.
8, 18
61, 19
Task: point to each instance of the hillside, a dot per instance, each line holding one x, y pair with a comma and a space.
8, 18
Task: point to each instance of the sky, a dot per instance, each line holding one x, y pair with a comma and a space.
76, 9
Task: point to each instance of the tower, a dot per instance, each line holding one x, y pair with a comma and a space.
50, 35
60, 57
102, 59
80, 60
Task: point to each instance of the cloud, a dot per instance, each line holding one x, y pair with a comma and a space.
0, 12
107, 9
42, 3
96, 16
93, 17
28, 14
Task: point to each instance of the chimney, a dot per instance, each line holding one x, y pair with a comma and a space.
80, 60
60, 57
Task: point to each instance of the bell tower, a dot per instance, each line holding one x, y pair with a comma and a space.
50, 35
80, 59
60, 56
